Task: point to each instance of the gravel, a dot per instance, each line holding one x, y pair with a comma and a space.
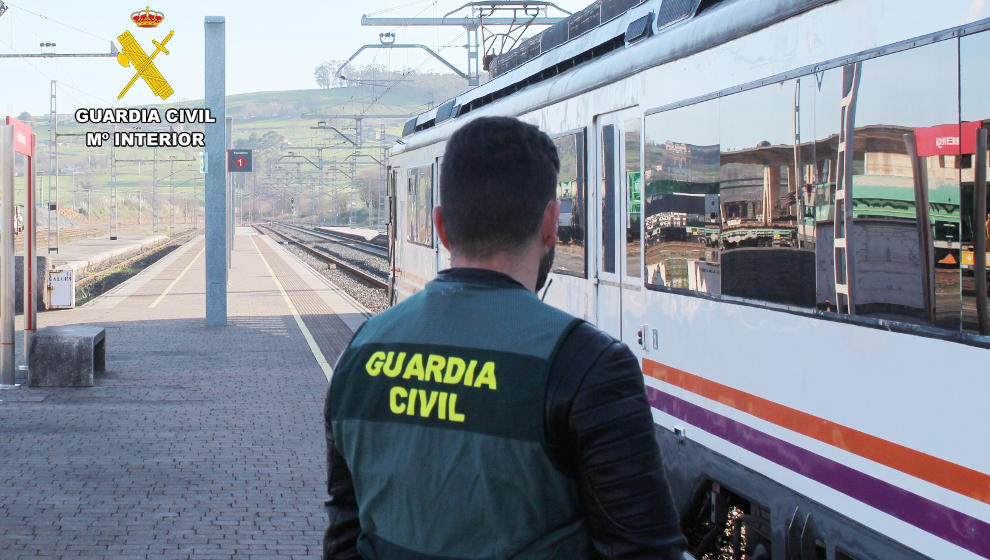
372, 297
359, 259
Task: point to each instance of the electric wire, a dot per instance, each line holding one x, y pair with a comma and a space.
62, 23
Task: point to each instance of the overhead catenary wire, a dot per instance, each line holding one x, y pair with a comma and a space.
406, 73
62, 23
399, 7
71, 85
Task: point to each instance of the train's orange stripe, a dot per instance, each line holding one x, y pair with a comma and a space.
957, 478
411, 278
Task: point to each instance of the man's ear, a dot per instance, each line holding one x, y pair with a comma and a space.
548, 229
441, 228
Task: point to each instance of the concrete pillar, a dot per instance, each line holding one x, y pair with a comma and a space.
7, 370
216, 189
229, 133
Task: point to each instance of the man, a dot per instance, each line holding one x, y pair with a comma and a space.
474, 421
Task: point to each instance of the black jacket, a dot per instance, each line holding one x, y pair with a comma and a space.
599, 430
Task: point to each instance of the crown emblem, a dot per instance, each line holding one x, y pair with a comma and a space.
147, 18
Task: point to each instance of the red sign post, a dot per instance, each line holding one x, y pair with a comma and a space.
24, 144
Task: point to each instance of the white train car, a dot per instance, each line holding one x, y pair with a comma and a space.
818, 369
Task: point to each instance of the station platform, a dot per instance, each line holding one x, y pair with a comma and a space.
198, 442
85, 255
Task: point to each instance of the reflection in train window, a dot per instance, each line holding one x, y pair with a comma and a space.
681, 199
749, 195
767, 241
573, 196
420, 205
904, 232
634, 187
975, 113
608, 198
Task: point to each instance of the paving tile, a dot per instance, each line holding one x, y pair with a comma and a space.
198, 442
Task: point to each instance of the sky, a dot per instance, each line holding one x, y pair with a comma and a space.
270, 46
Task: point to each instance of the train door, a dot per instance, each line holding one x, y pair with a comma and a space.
391, 226
629, 234
442, 254
610, 213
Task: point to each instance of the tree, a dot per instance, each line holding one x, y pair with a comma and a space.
326, 74
25, 116
322, 76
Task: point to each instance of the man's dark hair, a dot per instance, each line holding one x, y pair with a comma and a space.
497, 177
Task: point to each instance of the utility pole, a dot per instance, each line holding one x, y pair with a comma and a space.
171, 196
113, 188
53, 202
356, 145
53, 172
53, 154
154, 191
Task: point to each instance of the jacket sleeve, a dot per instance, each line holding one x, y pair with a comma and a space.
340, 539
600, 430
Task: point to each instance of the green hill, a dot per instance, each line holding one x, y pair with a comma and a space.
273, 123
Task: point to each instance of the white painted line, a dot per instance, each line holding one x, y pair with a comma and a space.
350, 311
313, 347
158, 300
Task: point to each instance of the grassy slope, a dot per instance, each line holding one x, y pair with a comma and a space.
259, 112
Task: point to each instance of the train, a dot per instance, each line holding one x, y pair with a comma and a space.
779, 206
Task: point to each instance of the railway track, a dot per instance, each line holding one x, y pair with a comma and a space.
379, 280
99, 275
373, 249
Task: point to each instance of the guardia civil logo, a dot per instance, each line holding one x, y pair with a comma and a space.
144, 65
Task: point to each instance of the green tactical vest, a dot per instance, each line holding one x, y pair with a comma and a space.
438, 408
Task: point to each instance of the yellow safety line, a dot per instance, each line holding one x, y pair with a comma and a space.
158, 299
317, 353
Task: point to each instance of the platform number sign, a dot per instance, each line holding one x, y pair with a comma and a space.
239, 161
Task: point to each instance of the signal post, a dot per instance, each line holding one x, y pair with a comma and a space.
16, 138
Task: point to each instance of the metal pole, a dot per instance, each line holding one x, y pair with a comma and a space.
216, 139
54, 205
7, 255
113, 188
30, 256
53, 173
154, 192
171, 195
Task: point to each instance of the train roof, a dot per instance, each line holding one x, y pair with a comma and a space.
606, 26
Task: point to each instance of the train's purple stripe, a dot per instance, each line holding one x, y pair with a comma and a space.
954, 526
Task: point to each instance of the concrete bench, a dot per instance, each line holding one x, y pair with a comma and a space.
67, 356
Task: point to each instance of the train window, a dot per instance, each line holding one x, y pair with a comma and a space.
608, 198
634, 187
572, 192
902, 229
681, 199
419, 214
767, 243
975, 113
